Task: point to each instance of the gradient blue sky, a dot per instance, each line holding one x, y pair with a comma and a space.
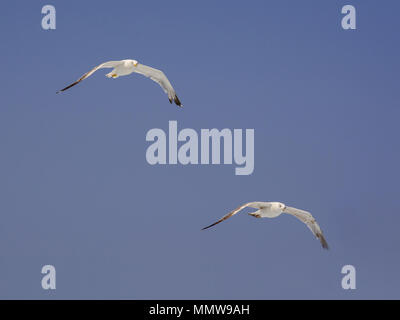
76, 190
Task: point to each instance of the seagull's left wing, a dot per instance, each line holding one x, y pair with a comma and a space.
109, 64
159, 77
233, 212
309, 220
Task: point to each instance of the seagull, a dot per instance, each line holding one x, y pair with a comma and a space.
128, 66
275, 209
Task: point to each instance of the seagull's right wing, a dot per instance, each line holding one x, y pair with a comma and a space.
309, 220
232, 213
109, 64
159, 77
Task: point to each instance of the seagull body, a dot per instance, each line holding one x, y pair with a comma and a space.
275, 209
128, 66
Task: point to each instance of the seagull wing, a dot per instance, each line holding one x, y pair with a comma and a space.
159, 77
109, 64
309, 220
232, 213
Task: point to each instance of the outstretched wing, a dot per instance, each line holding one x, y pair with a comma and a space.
232, 213
109, 64
309, 220
159, 77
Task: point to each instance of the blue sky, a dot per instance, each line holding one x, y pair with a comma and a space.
77, 192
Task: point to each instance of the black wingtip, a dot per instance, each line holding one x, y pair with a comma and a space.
323, 242
177, 102
211, 225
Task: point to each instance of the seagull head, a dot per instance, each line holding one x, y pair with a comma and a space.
281, 206
134, 63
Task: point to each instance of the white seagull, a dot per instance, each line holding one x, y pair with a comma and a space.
275, 209
125, 67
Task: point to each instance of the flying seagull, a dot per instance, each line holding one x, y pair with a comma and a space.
275, 209
125, 67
